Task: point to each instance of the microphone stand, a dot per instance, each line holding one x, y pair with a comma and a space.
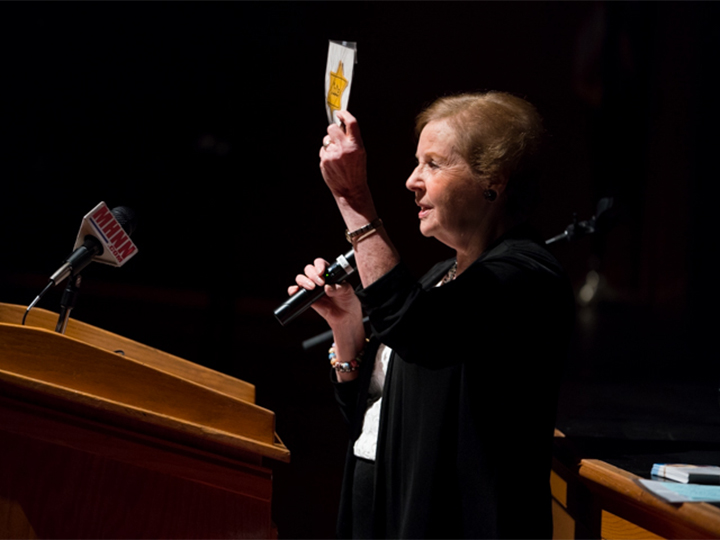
574, 231
67, 302
600, 222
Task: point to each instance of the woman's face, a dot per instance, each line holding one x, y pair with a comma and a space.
450, 197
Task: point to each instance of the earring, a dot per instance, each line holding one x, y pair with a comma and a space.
490, 194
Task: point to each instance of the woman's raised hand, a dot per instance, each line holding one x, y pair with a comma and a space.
343, 166
343, 160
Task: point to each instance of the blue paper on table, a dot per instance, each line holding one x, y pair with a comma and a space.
680, 493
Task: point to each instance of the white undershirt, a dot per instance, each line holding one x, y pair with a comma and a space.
366, 445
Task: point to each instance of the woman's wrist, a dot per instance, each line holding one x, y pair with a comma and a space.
347, 364
349, 337
357, 211
349, 342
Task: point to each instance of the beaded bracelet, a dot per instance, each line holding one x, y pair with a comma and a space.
345, 367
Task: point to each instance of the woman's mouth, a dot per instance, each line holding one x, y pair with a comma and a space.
424, 210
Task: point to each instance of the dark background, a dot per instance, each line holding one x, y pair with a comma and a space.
207, 118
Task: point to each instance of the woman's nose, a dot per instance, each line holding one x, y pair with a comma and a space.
413, 181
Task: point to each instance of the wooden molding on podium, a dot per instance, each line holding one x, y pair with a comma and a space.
121, 414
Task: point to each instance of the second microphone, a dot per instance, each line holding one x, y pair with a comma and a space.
337, 272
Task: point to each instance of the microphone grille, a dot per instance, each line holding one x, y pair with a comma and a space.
126, 218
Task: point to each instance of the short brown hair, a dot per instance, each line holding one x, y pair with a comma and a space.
497, 134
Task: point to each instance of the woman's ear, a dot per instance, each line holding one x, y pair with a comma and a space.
496, 184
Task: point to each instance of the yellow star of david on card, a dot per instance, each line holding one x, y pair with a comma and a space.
338, 83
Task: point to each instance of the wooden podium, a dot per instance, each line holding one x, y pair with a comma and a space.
103, 437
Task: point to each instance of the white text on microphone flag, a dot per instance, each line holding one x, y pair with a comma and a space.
102, 224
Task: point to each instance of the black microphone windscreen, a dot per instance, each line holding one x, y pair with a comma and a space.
126, 217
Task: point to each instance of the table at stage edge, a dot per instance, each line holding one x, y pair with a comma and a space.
594, 499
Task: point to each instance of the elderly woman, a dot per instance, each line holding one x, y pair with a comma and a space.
451, 402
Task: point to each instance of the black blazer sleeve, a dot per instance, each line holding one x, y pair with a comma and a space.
511, 286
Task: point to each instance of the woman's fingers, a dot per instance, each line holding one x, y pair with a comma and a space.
338, 289
335, 134
305, 282
341, 136
313, 277
340, 302
352, 128
320, 267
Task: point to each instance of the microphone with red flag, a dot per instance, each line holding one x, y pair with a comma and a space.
104, 236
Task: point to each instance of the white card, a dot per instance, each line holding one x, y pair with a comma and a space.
341, 59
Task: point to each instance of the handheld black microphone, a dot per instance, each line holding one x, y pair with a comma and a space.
337, 272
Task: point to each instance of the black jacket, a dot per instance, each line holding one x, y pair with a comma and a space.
468, 413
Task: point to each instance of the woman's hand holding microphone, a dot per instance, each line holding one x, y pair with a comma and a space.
341, 308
